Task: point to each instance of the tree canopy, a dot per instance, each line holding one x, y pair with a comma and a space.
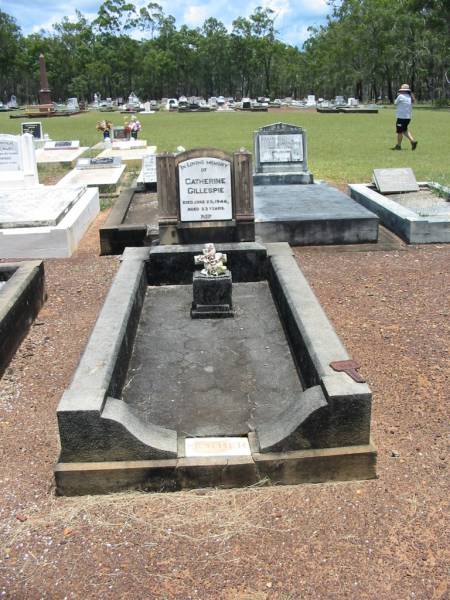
367, 48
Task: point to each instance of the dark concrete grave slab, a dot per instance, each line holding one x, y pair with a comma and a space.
152, 377
418, 217
133, 221
22, 294
314, 214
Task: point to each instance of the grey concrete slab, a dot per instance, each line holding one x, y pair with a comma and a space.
222, 376
311, 214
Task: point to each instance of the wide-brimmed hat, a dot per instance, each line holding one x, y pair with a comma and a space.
404, 88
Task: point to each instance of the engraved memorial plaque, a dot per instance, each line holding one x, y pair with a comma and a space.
217, 446
389, 181
281, 148
34, 128
149, 168
205, 190
10, 159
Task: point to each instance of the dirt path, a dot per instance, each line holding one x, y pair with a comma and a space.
383, 539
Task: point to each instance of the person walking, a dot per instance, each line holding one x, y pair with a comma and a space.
404, 102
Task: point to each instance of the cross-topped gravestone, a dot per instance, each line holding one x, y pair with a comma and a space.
17, 161
281, 155
205, 195
392, 181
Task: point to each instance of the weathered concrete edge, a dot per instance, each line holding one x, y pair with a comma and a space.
410, 226
84, 414
315, 344
20, 302
288, 468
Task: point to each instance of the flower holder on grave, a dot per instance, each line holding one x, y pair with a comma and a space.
212, 286
205, 195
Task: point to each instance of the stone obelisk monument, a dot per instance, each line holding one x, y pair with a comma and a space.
44, 92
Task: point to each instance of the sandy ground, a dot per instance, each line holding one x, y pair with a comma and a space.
381, 539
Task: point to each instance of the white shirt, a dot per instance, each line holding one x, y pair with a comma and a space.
404, 106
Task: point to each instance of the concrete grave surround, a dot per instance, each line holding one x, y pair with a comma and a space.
311, 214
407, 223
280, 152
17, 161
130, 152
106, 178
205, 195
390, 181
22, 294
47, 223
121, 426
53, 154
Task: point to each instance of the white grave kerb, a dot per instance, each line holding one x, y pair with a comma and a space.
18, 167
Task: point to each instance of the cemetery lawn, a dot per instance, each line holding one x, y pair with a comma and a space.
342, 148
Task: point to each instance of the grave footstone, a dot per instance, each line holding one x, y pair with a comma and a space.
205, 195
99, 163
280, 152
62, 145
391, 181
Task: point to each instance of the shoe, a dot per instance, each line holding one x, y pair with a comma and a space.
414, 145
397, 147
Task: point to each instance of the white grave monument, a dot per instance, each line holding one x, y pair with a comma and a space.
147, 176
18, 166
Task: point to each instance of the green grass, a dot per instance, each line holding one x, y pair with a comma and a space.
341, 147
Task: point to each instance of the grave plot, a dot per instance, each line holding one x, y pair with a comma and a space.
164, 401
290, 207
65, 151
419, 213
127, 150
22, 294
47, 223
103, 173
203, 194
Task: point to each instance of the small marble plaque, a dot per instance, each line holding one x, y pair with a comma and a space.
99, 163
149, 168
390, 181
62, 145
217, 446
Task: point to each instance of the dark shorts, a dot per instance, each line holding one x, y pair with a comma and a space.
401, 125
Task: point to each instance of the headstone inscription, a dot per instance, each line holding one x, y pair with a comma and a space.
17, 161
281, 149
34, 128
10, 156
205, 195
149, 168
392, 181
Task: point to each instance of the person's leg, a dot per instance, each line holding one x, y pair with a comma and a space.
399, 130
410, 137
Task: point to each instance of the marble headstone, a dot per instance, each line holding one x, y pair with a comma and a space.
391, 181
17, 161
280, 149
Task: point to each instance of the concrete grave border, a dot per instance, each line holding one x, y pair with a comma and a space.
323, 436
21, 299
115, 235
406, 223
59, 241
